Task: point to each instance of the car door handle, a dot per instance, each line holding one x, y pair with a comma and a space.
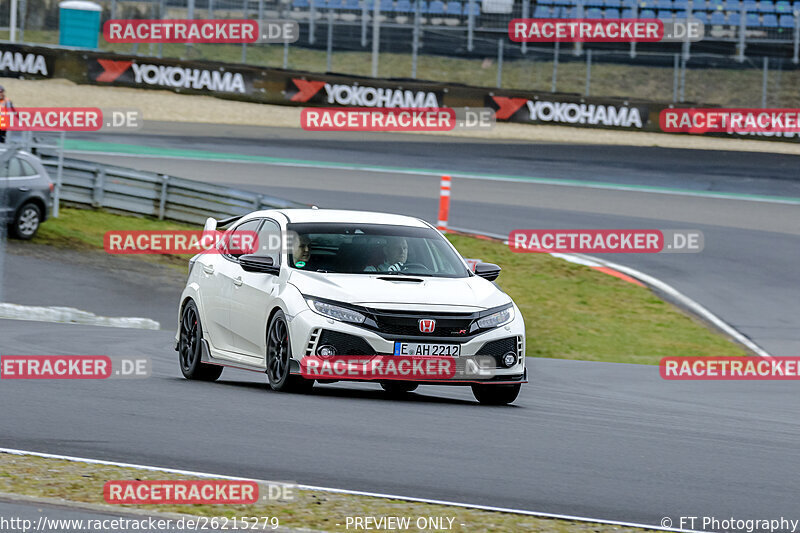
23, 188
208, 269
238, 281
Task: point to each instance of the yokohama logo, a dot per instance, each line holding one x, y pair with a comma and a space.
364, 96
23, 63
572, 113
173, 77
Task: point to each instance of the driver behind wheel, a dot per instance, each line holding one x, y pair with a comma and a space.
395, 253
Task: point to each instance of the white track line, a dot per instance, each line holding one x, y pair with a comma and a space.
71, 315
12, 451
653, 283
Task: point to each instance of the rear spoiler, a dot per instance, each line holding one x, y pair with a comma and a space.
212, 224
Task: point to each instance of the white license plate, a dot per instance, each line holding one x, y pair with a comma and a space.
433, 349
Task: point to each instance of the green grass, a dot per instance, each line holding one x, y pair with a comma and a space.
314, 510
727, 87
571, 311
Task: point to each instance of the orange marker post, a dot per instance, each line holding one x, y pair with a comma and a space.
444, 204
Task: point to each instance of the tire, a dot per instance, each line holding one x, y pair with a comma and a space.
496, 394
398, 388
26, 222
278, 357
190, 347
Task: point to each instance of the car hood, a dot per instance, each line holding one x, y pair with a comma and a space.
431, 294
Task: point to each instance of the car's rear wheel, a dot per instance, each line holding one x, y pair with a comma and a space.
26, 222
190, 347
278, 356
398, 388
496, 394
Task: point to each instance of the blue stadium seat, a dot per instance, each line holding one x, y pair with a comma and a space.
562, 2
541, 12
387, 5
352, 4
592, 3
436, 7
752, 21
714, 5
664, 4
766, 6
594, 13
302, 4
718, 17
569, 13
664, 14
734, 19
682, 15
701, 16
750, 5
545, 2
783, 7
770, 20
476, 9
612, 13
681, 4
732, 5
647, 14
454, 8
613, 3
403, 6
698, 5
627, 13
629, 4
647, 4
786, 21
335, 4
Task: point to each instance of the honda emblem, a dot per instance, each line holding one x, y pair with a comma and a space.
426, 325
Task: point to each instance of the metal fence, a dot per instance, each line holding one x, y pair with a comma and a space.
465, 41
144, 193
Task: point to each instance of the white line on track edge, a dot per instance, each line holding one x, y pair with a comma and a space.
12, 451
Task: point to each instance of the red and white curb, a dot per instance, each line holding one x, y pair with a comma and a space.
632, 275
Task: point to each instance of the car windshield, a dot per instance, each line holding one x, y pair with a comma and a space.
373, 248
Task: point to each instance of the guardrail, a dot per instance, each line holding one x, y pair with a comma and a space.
159, 195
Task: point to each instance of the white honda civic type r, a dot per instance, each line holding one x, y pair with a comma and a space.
347, 283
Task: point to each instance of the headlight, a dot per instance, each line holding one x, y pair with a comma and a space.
497, 319
336, 312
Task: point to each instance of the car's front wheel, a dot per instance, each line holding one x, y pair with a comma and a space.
26, 223
496, 394
278, 356
190, 349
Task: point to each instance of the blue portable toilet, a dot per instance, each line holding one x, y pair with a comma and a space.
79, 23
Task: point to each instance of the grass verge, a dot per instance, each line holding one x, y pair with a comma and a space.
316, 510
571, 311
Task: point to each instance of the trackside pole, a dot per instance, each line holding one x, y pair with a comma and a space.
444, 204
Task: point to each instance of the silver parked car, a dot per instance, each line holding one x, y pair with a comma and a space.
25, 190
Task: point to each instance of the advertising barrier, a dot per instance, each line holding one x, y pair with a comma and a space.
285, 87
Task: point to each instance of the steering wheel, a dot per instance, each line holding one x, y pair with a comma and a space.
420, 266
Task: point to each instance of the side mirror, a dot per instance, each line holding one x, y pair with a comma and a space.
260, 264
210, 225
487, 271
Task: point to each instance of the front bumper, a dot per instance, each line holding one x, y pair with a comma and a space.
310, 330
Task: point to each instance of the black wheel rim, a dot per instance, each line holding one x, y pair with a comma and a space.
277, 351
189, 342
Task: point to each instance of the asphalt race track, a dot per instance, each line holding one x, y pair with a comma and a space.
601, 440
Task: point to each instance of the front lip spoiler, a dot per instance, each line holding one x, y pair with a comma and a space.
422, 381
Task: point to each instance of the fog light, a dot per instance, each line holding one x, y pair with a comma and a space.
509, 359
326, 350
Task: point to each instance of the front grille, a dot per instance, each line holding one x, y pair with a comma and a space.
404, 323
345, 344
499, 348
